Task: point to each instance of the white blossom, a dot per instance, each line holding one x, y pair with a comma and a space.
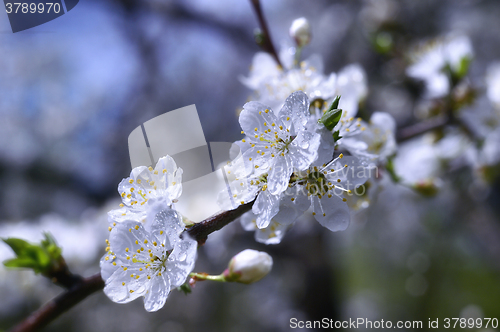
430, 63
323, 188
249, 266
146, 263
278, 143
374, 141
272, 84
147, 191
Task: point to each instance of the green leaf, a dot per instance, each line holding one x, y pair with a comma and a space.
18, 245
20, 263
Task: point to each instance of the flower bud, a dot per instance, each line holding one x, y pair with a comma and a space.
300, 31
248, 266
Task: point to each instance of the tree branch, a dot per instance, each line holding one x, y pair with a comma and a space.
60, 304
420, 128
267, 43
83, 287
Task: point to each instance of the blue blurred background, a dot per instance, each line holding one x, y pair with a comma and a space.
72, 90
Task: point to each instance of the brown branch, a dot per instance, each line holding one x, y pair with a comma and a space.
83, 287
201, 230
60, 304
267, 43
420, 128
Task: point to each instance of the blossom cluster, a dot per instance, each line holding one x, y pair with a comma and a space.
303, 147
146, 255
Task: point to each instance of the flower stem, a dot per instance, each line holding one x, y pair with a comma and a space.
203, 276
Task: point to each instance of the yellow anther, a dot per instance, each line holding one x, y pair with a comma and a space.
314, 213
107, 258
123, 284
267, 111
130, 181
242, 132
150, 168
341, 156
338, 180
243, 140
110, 228
161, 232
343, 199
293, 199
131, 291
125, 268
136, 227
145, 241
126, 249
256, 129
123, 194
242, 202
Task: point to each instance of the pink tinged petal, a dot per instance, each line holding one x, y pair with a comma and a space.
304, 150
331, 212
266, 206
158, 291
279, 175
294, 202
296, 108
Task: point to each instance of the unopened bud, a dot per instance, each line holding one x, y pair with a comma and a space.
248, 266
300, 31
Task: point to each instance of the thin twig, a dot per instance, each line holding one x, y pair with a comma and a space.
267, 43
406, 133
50, 311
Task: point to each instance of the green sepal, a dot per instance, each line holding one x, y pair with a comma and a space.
331, 118
389, 166
336, 136
185, 288
332, 115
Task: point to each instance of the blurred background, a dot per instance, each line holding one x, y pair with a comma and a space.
73, 89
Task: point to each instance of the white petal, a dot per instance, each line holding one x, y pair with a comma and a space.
158, 291
294, 202
279, 175
271, 234
331, 212
266, 206
304, 150
296, 108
